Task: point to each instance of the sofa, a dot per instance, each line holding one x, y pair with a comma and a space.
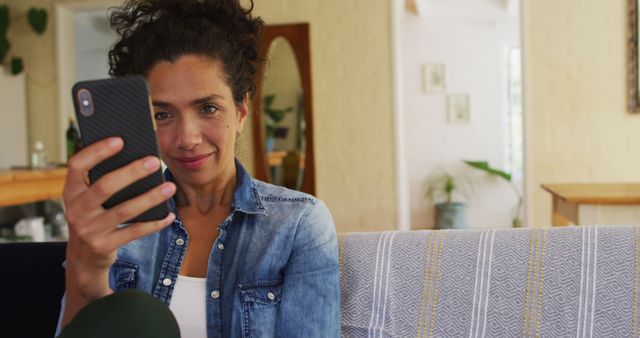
544, 282
548, 282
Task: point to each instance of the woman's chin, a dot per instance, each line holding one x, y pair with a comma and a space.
196, 176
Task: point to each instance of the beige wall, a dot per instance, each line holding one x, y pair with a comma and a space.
578, 128
352, 96
352, 88
37, 52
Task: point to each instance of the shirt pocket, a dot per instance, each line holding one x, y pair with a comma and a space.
260, 303
124, 275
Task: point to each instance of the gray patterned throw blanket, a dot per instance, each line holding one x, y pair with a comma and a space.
547, 282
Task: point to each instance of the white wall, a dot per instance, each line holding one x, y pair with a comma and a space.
472, 40
94, 38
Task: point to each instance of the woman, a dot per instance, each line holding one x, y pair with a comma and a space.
237, 257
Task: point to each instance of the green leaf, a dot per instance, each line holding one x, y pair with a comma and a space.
484, 166
270, 131
37, 18
268, 100
16, 66
276, 115
5, 46
4, 20
516, 223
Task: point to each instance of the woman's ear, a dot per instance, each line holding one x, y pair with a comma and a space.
243, 113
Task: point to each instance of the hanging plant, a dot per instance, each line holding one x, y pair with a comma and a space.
5, 45
37, 19
16, 66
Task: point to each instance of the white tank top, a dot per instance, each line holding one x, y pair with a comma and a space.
188, 306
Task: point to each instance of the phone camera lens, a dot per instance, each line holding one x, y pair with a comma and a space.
85, 102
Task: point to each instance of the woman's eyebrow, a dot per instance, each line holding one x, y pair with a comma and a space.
194, 102
161, 104
206, 99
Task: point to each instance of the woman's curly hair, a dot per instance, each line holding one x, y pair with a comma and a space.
164, 30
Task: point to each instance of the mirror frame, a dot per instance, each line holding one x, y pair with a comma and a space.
632, 56
298, 37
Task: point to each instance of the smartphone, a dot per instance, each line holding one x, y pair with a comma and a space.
120, 107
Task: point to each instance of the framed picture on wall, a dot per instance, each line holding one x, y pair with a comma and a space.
458, 108
433, 78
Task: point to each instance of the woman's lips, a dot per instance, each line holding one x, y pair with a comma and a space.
194, 162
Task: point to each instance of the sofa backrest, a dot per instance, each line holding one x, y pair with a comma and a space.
552, 282
575, 281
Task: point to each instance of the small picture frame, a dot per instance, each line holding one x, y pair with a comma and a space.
434, 78
458, 108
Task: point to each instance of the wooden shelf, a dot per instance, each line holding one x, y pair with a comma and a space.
27, 186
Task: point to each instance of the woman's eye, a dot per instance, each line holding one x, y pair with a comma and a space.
209, 109
161, 115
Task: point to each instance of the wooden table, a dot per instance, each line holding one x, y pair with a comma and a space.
27, 186
600, 203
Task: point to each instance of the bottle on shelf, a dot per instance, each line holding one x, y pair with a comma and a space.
74, 143
38, 156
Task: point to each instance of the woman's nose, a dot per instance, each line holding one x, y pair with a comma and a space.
189, 134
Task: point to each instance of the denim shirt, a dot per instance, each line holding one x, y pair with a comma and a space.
273, 270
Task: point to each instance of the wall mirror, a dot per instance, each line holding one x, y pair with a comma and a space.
632, 58
282, 123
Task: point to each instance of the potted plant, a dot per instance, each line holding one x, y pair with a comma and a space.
273, 117
448, 193
516, 221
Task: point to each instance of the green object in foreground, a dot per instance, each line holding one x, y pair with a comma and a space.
125, 314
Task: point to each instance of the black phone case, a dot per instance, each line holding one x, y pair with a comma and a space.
122, 108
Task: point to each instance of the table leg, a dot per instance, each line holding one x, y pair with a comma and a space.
564, 213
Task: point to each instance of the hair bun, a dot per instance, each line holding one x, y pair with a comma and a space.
163, 30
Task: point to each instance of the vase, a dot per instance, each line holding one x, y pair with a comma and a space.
269, 144
451, 216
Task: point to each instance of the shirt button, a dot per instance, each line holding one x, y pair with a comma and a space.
180, 241
271, 296
166, 282
215, 294
221, 246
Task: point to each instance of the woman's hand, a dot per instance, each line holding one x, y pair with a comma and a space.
94, 236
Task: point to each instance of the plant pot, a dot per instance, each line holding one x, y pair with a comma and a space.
451, 216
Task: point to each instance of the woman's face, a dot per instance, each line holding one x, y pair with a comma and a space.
197, 119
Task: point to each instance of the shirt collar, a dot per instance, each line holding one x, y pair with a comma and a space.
245, 199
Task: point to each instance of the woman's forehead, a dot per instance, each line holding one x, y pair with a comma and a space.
196, 75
